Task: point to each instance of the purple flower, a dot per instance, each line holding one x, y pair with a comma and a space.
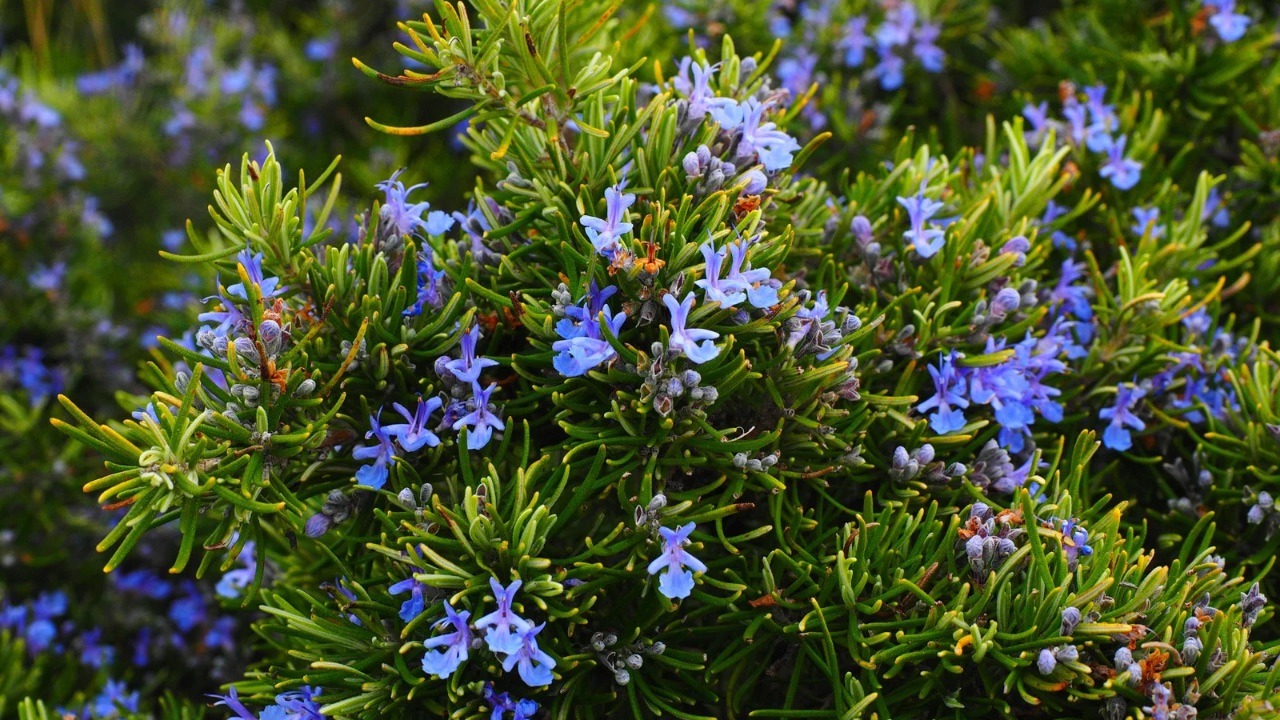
774, 147
468, 367
854, 41
1103, 116
189, 610
429, 284
762, 291
1215, 209
414, 434
685, 339
442, 663
1037, 117
297, 704
726, 292
321, 48
480, 423
927, 241
1077, 116
926, 50
382, 453
476, 224
92, 652
501, 703
413, 607
948, 399
1147, 220
534, 665
1121, 417
268, 287
606, 233
1072, 298
1229, 24
114, 701
583, 345
503, 629
1053, 211
1075, 542
693, 80
229, 319
1123, 172
402, 215
675, 563
232, 701
890, 69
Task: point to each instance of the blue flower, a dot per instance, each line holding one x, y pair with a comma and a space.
268, 287
675, 563
948, 399
693, 80
583, 345
890, 69
114, 701
92, 652
221, 635
476, 224
229, 319
413, 607
1121, 417
774, 147
533, 664
480, 423
1075, 542
429, 283
1229, 24
927, 241
685, 339
232, 701
762, 291
235, 581
1037, 117
189, 610
382, 453
1053, 211
502, 703
1103, 116
854, 41
299, 704
442, 663
1070, 296
1215, 209
606, 233
502, 627
1123, 172
402, 215
1147, 221
48, 278
414, 434
468, 367
726, 292
926, 50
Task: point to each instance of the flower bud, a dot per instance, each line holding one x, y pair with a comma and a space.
272, 336
318, 525
245, 349
305, 388
756, 182
861, 228
1046, 662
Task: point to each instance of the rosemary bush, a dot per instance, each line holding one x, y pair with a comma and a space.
841, 360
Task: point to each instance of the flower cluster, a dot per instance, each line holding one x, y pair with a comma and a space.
1091, 125
507, 635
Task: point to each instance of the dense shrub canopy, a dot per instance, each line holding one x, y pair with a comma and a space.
718, 359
